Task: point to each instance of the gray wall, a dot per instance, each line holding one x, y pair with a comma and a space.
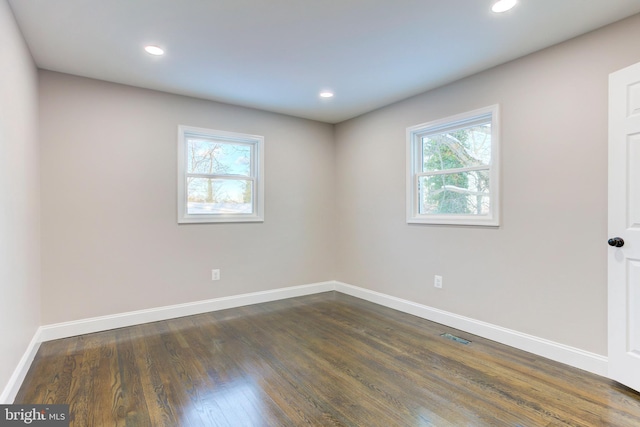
111, 242
19, 197
543, 272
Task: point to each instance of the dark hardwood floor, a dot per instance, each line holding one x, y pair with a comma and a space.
321, 360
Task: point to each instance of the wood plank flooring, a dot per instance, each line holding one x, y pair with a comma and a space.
320, 360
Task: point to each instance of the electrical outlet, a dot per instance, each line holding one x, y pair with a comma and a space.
437, 281
215, 274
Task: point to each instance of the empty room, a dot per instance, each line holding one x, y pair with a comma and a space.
337, 212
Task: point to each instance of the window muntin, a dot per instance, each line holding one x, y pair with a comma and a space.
453, 170
220, 176
455, 193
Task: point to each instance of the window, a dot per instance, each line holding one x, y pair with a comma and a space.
452, 170
220, 176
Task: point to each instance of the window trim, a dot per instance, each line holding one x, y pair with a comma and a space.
257, 159
414, 168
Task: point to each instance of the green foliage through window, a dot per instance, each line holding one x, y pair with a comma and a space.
453, 170
457, 192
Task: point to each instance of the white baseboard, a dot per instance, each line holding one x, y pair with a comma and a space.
13, 386
575, 357
121, 320
572, 356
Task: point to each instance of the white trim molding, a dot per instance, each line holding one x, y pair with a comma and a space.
581, 359
572, 356
13, 386
121, 320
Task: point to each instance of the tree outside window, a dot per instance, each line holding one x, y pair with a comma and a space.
220, 176
453, 170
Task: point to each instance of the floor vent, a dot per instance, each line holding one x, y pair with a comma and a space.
455, 338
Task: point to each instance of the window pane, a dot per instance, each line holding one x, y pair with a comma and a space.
455, 193
219, 196
461, 148
214, 157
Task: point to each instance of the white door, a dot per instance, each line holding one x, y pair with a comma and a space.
624, 224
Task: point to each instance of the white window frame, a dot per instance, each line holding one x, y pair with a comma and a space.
414, 167
257, 175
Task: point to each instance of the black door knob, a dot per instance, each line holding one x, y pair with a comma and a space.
616, 242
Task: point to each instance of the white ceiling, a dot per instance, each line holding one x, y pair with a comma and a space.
277, 55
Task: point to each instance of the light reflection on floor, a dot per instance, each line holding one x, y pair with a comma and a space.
238, 403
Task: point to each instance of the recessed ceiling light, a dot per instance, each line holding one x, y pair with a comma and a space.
154, 50
503, 5
326, 94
